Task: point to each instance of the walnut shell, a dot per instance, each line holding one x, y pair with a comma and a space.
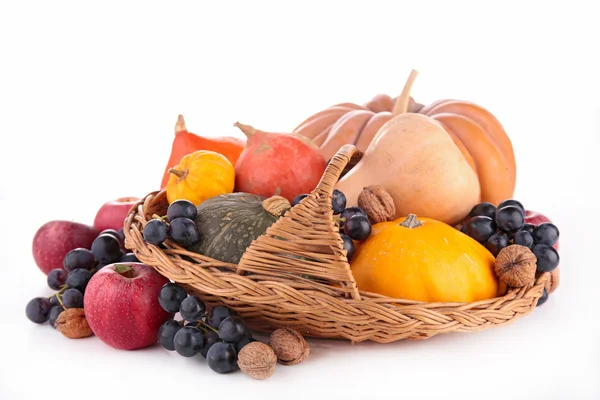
515, 265
377, 203
73, 324
257, 360
289, 346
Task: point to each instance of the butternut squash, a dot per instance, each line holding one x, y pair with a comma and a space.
417, 162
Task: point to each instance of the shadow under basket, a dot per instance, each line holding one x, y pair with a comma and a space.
296, 275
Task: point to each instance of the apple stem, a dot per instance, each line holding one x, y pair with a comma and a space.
124, 270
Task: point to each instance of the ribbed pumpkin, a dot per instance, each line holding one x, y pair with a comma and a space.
424, 260
229, 223
475, 131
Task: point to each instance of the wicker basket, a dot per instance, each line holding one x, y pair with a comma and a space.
296, 275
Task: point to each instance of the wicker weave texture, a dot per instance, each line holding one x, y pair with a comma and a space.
296, 275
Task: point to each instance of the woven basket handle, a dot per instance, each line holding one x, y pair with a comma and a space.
335, 168
305, 243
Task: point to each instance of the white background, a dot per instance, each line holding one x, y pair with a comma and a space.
89, 94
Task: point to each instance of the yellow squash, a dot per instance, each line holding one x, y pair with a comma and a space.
200, 176
424, 260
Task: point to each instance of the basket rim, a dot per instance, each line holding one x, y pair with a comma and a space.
175, 250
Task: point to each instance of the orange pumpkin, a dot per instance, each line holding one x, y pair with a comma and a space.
476, 132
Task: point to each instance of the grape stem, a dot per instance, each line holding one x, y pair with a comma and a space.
163, 218
202, 325
337, 220
57, 294
205, 325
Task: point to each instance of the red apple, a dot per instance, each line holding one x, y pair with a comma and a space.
121, 305
55, 239
112, 214
535, 218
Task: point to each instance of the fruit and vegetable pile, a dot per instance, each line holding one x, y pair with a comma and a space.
426, 214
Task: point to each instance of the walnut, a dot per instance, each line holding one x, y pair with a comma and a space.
515, 265
289, 346
72, 324
377, 203
257, 360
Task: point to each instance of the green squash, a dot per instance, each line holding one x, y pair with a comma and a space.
229, 223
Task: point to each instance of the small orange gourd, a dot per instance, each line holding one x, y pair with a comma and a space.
424, 260
199, 176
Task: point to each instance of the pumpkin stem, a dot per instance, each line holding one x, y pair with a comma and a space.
411, 221
402, 101
276, 205
247, 130
180, 125
177, 172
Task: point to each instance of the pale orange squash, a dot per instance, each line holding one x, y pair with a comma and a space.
476, 132
414, 159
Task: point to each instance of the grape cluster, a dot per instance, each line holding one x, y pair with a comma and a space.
353, 221
180, 225
79, 266
499, 227
217, 335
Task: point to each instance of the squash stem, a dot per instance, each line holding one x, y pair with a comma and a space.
402, 102
411, 221
180, 125
247, 130
276, 205
179, 173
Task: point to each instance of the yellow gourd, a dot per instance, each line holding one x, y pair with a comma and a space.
200, 176
424, 260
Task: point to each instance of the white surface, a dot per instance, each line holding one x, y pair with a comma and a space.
89, 96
